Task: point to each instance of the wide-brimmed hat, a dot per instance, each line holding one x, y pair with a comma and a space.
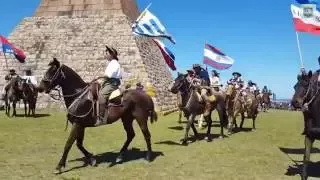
190, 71
196, 66
139, 84
236, 73
215, 72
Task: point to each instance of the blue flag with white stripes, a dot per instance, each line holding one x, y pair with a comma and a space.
149, 25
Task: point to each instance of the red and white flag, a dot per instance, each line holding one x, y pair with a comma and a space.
306, 20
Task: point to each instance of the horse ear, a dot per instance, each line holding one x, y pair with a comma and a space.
55, 62
299, 77
310, 74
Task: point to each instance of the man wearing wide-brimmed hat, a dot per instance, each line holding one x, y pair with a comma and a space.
236, 80
12, 74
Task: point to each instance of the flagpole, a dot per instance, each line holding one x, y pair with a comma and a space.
5, 57
138, 19
299, 49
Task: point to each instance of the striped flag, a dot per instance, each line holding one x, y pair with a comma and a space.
216, 59
306, 18
167, 54
7, 47
149, 25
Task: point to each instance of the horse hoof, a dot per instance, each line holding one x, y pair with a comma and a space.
221, 137
208, 139
93, 162
184, 143
119, 158
148, 158
58, 169
254, 129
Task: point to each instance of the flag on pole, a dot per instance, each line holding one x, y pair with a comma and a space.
149, 25
216, 59
167, 54
7, 48
306, 18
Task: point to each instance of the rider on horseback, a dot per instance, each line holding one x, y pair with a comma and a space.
12, 74
201, 78
215, 80
239, 85
252, 87
265, 90
112, 76
30, 79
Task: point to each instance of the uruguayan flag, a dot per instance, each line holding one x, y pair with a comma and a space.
149, 25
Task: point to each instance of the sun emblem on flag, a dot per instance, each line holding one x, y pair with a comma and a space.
308, 10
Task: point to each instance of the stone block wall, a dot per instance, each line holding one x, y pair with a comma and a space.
79, 42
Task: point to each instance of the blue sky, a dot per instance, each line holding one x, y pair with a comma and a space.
259, 35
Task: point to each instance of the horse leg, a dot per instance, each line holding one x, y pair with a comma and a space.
180, 116
209, 121
147, 136
80, 137
190, 122
14, 113
127, 124
201, 121
25, 107
72, 137
242, 120
306, 158
195, 132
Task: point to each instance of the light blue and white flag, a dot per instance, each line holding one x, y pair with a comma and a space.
149, 25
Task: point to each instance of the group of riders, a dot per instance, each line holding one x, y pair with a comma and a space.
198, 76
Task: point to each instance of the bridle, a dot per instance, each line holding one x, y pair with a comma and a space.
54, 78
309, 90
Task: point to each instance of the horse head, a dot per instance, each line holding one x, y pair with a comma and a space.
303, 89
179, 84
53, 76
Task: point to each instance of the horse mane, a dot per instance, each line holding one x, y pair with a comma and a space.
71, 73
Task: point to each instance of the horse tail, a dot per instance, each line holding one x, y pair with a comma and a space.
153, 116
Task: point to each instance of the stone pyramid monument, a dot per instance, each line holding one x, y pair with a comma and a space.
76, 32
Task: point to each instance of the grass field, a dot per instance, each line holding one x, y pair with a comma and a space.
31, 147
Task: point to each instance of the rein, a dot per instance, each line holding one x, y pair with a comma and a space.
305, 105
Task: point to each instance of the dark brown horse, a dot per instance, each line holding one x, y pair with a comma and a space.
307, 98
235, 107
265, 101
81, 109
13, 95
193, 107
30, 95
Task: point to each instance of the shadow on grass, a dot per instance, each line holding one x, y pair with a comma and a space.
35, 116
110, 157
192, 139
178, 128
296, 169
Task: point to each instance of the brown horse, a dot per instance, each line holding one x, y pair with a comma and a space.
265, 101
306, 97
235, 106
29, 94
193, 107
13, 95
81, 109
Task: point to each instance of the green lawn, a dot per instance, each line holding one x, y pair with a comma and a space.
30, 149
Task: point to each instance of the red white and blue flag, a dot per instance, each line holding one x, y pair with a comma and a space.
7, 48
167, 54
306, 16
216, 59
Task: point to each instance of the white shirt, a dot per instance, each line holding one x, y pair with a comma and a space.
32, 79
252, 88
215, 81
113, 70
